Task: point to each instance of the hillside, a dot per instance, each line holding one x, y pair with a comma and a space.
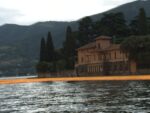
19, 45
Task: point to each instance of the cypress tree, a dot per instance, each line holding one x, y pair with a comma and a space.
49, 48
148, 23
50, 53
142, 22
42, 50
134, 27
69, 49
68, 41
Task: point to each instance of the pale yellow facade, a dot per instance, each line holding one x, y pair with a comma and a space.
103, 57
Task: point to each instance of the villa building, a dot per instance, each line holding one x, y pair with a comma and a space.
102, 57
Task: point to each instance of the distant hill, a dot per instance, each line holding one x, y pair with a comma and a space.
19, 45
11, 33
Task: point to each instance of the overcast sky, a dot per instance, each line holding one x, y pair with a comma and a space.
26, 12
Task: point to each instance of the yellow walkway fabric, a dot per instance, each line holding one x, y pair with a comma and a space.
98, 78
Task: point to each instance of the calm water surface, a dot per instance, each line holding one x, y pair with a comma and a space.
76, 97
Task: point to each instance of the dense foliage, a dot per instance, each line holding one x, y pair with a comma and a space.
85, 30
42, 50
140, 25
52, 60
69, 47
138, 49
138, 46
47, 61
113, 25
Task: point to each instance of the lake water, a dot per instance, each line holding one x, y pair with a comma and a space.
76, 97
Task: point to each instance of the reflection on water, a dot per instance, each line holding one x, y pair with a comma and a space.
76, 97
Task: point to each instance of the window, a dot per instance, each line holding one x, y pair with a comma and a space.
109, 55
115, 54
126, 55
99, 45
104, 57
82, 59
94, 58
120, 52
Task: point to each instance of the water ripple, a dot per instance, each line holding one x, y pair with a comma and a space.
76, 97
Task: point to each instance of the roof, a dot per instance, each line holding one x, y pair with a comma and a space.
111, 47
89, 45
93, 45
103, 38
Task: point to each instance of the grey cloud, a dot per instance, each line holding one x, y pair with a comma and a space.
8, 15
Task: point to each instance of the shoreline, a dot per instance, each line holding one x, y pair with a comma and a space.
73, 79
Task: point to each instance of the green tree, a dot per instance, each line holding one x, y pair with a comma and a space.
69, 49
148, 21
85, 31
48, 57
113, 24
50, 54
138, 48
42, 50
134, 27
142, 22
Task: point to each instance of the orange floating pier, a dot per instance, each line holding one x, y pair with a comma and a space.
97, 78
